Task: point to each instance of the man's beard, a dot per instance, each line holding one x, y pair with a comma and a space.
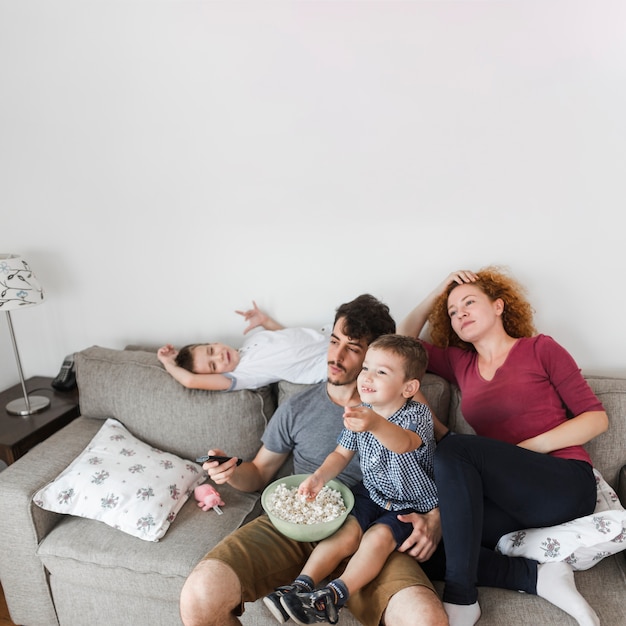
340, 382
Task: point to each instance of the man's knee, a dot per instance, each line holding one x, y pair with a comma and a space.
210, 595
412, 601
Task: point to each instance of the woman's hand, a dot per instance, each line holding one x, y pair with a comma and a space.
413, 324
460, 277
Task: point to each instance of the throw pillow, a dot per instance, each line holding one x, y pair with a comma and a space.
123, 482
582, 543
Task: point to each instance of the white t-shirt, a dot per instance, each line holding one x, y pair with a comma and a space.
297, 355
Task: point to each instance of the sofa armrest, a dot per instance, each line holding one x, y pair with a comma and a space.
23, 524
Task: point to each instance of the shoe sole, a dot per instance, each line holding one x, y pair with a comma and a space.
275, 611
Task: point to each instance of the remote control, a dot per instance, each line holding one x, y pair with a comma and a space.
219, 459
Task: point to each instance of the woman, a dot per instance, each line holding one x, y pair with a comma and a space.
532, 411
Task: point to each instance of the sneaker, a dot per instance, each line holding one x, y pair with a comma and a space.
272, 602
317, 607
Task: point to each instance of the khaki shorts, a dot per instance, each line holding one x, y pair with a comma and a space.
264, 559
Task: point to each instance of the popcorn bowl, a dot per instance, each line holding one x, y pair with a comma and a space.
301, 531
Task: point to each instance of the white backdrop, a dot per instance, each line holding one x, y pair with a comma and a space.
164, 163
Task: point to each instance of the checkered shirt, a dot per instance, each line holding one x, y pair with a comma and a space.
398, 481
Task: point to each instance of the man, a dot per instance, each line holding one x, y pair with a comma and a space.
256, 559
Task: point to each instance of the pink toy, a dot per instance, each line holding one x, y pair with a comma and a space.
208, 498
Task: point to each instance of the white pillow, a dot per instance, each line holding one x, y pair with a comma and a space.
582, 543
123, 482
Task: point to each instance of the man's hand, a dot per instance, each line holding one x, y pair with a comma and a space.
220, 473
426, 535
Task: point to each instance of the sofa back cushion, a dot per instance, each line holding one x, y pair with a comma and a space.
134, 388
608, 450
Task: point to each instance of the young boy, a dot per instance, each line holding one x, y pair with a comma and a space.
395, 440
297, 355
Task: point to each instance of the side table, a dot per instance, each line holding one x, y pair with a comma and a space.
19, 434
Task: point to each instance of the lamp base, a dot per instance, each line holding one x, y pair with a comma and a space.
36, 404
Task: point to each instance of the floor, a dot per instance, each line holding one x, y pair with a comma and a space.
5, 620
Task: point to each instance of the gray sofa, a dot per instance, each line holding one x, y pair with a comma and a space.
58, 569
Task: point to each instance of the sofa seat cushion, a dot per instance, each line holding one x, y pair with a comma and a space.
87, 552
602, 586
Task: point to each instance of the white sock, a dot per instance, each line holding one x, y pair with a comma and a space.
555, 583
462, 614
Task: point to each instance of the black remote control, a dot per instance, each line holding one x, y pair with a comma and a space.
219, 459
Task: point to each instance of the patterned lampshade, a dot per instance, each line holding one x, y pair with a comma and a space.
19, 287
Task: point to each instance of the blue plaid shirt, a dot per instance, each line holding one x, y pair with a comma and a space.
398, 481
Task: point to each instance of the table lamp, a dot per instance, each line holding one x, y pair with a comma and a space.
19, 288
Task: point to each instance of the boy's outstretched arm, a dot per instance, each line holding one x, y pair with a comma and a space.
390, 435
255, 317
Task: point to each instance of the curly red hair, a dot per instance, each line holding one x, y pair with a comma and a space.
517, 316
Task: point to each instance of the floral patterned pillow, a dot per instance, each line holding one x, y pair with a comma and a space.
583, 542
123, 482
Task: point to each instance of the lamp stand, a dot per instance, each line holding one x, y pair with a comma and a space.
27, 405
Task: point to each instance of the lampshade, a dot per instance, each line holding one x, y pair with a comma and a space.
20, 288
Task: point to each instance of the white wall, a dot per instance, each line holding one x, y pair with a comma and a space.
164, 163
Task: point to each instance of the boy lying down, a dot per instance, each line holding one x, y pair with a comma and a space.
297, 355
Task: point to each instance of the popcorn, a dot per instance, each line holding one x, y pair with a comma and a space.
286, 503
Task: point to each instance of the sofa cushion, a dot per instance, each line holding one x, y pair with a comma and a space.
119, 480
77, 540
81, 553
134, 388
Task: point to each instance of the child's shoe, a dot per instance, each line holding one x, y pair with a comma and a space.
272, 602
318, 607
